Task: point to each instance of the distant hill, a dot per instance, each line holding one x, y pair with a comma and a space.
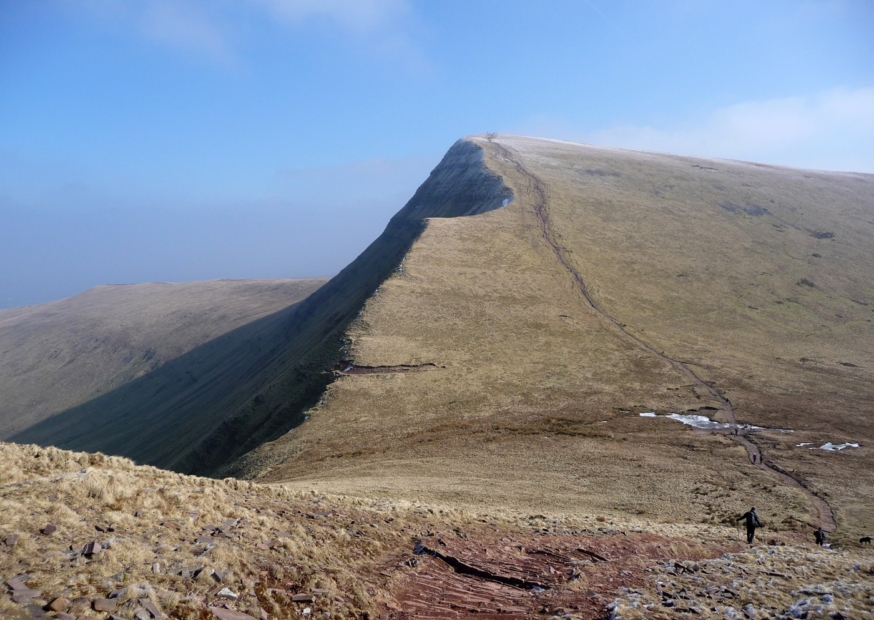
58, 355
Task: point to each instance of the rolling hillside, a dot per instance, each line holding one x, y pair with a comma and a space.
507, 362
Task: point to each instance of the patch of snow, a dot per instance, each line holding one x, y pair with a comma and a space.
806, 443
698, 421
830, 447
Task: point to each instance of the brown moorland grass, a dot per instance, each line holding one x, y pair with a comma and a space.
758, 279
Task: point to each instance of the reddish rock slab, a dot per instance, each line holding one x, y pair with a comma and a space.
487, 577
104, 604
230, 614
302, 598
92, 548
10, 540
49, 529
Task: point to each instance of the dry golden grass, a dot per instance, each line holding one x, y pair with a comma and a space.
156, 515
534, 400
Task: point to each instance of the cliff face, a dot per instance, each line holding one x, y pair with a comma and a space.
202, 410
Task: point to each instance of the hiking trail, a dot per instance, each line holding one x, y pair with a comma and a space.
537, 191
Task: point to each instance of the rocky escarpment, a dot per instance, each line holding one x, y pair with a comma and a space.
201, 411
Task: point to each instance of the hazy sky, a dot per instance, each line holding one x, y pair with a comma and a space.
173, 140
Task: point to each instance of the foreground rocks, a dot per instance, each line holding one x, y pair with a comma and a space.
793, 581
145, 544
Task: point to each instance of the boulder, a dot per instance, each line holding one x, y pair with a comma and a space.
60, 604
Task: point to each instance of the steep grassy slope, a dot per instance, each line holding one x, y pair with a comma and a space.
58, 355
228, 396
506, 364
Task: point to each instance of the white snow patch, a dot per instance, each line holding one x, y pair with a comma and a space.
699, 421
806, 443
830, 447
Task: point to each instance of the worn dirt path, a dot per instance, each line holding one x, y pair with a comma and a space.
537, 191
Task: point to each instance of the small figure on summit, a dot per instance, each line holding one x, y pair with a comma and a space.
752, 522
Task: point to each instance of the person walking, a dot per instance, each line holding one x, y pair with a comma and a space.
752, 522
819, 535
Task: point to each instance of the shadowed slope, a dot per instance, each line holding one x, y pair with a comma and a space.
757, 280
232, 394
60, 354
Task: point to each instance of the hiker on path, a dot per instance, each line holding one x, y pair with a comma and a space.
752, 522
819, 535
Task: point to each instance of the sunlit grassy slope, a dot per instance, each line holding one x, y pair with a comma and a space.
60, 354
518, 393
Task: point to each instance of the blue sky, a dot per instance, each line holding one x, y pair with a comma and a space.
145, 140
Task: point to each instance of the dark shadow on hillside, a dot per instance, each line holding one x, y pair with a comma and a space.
206, 408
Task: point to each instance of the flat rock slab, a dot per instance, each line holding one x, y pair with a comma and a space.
105, 604
16, 584
22, 597
230, 614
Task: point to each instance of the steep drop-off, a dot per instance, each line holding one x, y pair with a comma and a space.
204, 409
